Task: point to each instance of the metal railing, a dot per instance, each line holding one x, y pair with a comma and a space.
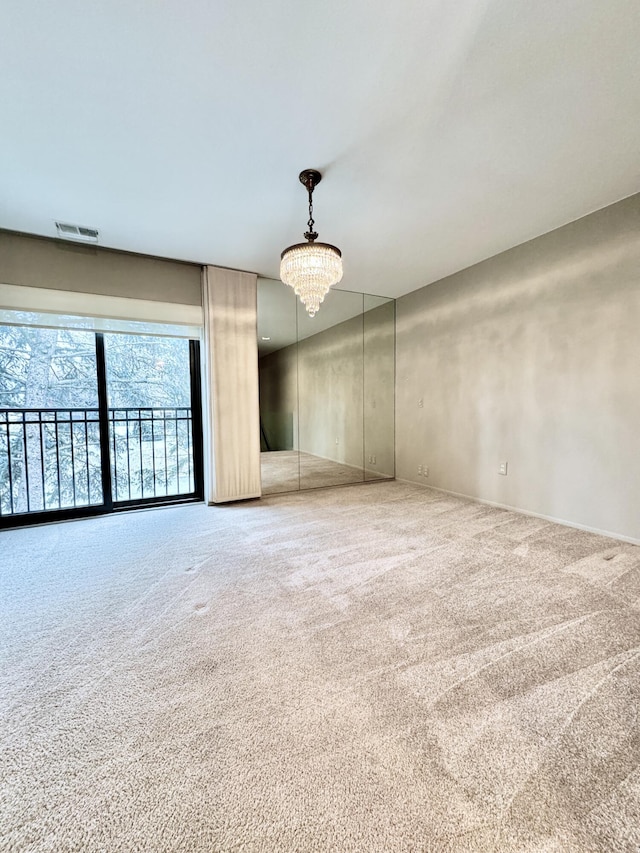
50, 459
151, 452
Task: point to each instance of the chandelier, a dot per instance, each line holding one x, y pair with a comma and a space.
311, 268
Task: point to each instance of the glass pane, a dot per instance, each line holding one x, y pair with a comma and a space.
278, 372
150, 419
379, 371
49, 429
330, 391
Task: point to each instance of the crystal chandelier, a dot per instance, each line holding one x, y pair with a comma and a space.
311, 268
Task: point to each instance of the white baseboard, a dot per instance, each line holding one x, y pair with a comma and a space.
552, 518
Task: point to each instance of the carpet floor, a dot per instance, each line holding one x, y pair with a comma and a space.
290, 470
378, 667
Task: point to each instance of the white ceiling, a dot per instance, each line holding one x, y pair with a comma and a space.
446, 131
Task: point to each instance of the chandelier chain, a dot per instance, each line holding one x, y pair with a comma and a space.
311, 235
310, 223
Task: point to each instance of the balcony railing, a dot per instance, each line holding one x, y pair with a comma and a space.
151, 453
50, 459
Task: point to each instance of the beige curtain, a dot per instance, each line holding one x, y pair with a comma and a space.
230, 372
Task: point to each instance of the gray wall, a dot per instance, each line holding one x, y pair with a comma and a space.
379, 389
531, 357
61, 265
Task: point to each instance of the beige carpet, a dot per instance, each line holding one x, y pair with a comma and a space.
371, 668
280, 471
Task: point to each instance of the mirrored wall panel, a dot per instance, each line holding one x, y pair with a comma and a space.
330, 392
326, 389
278, 373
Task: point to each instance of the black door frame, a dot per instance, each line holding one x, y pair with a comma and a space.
108, 505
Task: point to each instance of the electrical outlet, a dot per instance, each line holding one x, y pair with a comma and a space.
420, 470
337, 441
420, 403
425, 470
502, 469
373, 460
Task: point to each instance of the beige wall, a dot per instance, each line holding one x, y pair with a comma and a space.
531, 357
61, 265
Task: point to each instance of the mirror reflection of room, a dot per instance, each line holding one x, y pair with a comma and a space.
326, 389
330, 392
278, 377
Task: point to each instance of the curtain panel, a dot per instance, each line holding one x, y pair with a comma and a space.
230, 370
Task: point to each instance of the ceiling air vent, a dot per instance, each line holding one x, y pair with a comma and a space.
77, 232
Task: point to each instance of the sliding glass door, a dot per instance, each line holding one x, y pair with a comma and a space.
149, 390
92, 422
